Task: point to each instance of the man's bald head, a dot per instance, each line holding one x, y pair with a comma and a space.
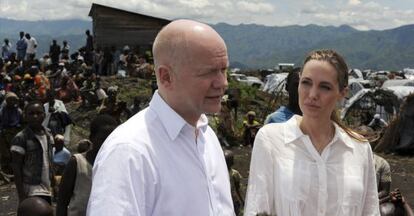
34, 206
176, 43
191, 63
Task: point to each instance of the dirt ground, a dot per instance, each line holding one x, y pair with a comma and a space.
402, 169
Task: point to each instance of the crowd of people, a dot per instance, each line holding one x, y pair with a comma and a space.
35, 126
166, 159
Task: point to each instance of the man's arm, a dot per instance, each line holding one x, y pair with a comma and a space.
124, 182
384, 185
408, 209
237, 186
66, 188
17, 165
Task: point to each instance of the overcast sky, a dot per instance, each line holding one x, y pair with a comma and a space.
360, 14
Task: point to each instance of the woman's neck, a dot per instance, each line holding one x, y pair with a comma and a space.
320, 131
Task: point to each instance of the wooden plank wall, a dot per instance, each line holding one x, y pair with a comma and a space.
118, 28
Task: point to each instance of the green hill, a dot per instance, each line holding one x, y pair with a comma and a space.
258, 46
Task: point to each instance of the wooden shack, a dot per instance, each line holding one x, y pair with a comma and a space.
114, 27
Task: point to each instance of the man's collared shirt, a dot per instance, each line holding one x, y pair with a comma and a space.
155, 164
289, 177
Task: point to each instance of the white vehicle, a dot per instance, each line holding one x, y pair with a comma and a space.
249, 80
398, 82
409, 73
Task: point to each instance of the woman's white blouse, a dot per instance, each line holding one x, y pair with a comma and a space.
288, 177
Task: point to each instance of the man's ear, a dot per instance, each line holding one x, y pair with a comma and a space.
165, 76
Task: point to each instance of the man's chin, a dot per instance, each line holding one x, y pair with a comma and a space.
212, 110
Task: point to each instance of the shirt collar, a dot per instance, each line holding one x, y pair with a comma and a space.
344, 137
170, 119
293, 132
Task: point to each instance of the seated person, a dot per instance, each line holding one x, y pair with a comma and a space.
382, 167
251, 126
395, 204
112, 106
377, 123
68, 90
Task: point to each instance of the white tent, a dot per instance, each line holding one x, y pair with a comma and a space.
275, 82
401, 91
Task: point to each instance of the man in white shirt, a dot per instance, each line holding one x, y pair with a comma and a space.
52, 106
31, 45
166, 160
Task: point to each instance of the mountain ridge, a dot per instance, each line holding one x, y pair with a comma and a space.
259, 46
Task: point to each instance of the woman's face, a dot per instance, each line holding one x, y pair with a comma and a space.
319, 89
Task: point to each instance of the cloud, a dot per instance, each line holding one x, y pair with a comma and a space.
358, 14
361, 14
354, 2
255, 7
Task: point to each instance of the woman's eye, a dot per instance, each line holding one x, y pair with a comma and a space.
305, 82
326, 88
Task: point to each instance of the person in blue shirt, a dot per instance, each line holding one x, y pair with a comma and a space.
284, 113
21, 47
61, 155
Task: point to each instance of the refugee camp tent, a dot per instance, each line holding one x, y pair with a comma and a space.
399, 136
275, 83
356, 74
361, 108
398, 82
401, 91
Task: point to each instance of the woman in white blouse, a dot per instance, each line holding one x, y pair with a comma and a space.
313, 165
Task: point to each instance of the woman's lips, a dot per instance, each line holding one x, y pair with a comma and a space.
314, 106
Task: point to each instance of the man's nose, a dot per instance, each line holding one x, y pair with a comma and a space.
221, 80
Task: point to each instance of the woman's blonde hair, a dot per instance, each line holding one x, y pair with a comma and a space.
338, 62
